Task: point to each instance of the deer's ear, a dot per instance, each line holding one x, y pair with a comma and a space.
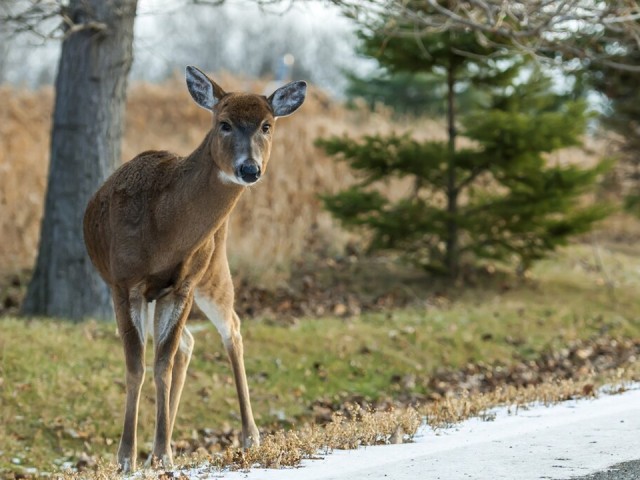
286, 100
203, 90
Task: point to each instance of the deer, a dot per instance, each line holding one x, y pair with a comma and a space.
156, 231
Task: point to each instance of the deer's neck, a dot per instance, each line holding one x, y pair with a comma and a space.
208, 199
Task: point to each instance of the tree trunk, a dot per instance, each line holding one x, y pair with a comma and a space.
451, 254
85, 149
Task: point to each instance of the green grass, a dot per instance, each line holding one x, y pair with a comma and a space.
62, 389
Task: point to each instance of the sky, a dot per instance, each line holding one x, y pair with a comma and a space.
238, 37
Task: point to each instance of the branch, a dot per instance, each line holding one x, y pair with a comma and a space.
213, 3
475, 173
72, 27
45, 19
574, 28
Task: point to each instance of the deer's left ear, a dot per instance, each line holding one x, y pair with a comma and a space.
287, 99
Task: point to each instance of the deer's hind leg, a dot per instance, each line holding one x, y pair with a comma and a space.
131, 316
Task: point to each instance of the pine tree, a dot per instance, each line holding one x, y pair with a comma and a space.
408, 93
497, 200
460, 62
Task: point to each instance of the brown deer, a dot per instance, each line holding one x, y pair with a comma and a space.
157, 230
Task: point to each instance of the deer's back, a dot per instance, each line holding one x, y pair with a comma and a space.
122, 205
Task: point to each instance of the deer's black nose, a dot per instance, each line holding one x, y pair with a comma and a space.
249, 172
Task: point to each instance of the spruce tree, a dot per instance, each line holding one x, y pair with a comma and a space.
499, 199
460, 62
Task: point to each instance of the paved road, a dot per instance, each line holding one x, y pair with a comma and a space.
621, 471
573, 439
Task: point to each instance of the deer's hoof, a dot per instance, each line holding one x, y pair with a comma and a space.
126, 465
251, 439
159, 461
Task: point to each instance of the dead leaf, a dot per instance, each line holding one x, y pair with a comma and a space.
339, 309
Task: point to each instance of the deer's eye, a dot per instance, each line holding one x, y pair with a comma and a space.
266, 128
225, 126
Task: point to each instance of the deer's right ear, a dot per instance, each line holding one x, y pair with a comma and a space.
203, 90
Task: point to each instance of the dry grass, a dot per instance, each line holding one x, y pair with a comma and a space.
278, 221
289, 448
24, 147
360, 428
367, 427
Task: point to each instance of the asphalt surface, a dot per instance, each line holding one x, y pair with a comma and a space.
621, 471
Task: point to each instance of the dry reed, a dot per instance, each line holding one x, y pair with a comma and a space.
276, 222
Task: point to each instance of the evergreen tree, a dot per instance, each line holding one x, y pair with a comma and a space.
461, 62
408, 93
496, 200
405, 92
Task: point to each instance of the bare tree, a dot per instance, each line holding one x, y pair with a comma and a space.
589, 30
85, 142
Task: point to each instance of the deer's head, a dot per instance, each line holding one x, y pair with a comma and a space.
243, 124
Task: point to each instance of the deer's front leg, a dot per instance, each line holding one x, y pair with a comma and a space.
131, 319
170, 318
179, 374
228, 324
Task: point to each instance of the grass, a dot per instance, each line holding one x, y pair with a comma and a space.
62, 389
